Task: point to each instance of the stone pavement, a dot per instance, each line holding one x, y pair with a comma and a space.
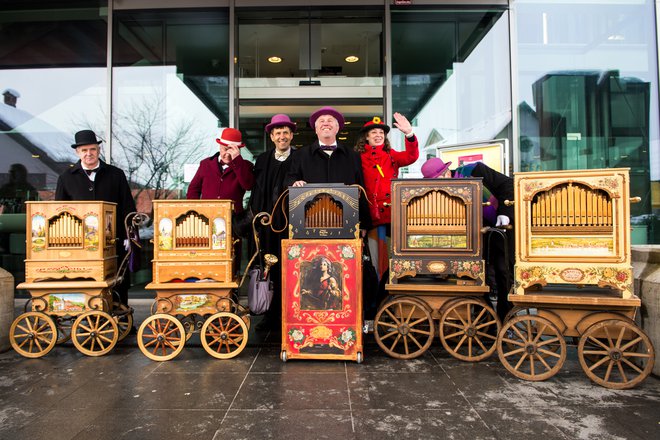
124, 395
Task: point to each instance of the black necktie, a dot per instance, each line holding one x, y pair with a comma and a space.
89, 172
328, 147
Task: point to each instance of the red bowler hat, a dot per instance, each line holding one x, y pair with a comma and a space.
230, 136
376, 122
434, 167
327, 111
281, 120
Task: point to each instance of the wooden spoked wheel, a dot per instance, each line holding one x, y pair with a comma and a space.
161, 337
33, 334
124, 318
404, 328
224, 335
616, 354
531, 347
468, 330
94, 333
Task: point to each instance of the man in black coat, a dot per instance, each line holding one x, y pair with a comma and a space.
327, 161
270, 171
92, 179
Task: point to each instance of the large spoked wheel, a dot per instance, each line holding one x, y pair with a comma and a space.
94, 333
33, 334
531, 347
124, 317
404, 328
224, 335
616, 354
468, 330
161, 337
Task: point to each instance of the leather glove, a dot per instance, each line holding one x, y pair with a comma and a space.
502, 220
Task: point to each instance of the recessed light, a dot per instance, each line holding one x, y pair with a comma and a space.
274, 60
352, 59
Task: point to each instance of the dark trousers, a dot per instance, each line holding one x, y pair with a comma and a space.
498, 253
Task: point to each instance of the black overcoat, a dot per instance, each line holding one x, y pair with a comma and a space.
109, 185
313, 165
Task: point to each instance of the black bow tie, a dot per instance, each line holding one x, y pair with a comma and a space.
89, 172
328, 147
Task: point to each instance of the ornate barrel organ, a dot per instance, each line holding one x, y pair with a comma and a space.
71, 239
436, 229
324, 211
192, 241
573, 227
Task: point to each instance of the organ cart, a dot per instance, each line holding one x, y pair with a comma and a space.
194, 280
71, 269
322, 275
437, 272
573, 279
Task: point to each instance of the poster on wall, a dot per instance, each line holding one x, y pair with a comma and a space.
492, 153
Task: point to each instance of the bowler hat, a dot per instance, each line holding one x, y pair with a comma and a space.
230, 136
434, 167
281, 120
327, 111
376, 122
85, 137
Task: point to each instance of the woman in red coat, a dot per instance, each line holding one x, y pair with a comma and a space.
380, 164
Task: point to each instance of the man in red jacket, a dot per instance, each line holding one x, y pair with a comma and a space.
225, 175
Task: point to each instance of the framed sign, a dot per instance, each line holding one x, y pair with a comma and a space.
493, 153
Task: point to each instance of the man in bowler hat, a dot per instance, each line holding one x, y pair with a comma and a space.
270, 170
93, 179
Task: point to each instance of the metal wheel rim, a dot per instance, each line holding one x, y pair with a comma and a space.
37, 331
531, 354
393, 332
224, 335
470, 334
161, 333
606, 360
94, 333
124, 320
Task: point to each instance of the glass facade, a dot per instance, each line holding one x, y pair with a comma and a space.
588, 94
581, 76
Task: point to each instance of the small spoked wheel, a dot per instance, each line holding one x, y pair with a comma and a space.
33, 334
468, 330
616, 354
94, 333
63, 331
123, 315
161, 337
224, 335
531, 347
404, 328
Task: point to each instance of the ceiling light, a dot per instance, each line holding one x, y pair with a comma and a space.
352, 59
274, 60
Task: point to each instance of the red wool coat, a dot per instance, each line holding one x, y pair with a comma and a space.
377, 185
231, 184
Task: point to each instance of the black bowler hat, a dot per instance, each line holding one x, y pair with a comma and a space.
85, 137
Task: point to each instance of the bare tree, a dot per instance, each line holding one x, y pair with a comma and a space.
150, 151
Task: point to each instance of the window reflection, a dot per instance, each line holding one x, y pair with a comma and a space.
588, 94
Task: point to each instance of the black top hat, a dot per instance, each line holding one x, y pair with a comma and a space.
85, 137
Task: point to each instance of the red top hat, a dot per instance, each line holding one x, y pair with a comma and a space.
281, 120
434, 167
230, 136
327, 111
376, 122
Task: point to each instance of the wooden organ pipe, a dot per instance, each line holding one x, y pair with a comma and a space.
65, 231
571, 205
192, 231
